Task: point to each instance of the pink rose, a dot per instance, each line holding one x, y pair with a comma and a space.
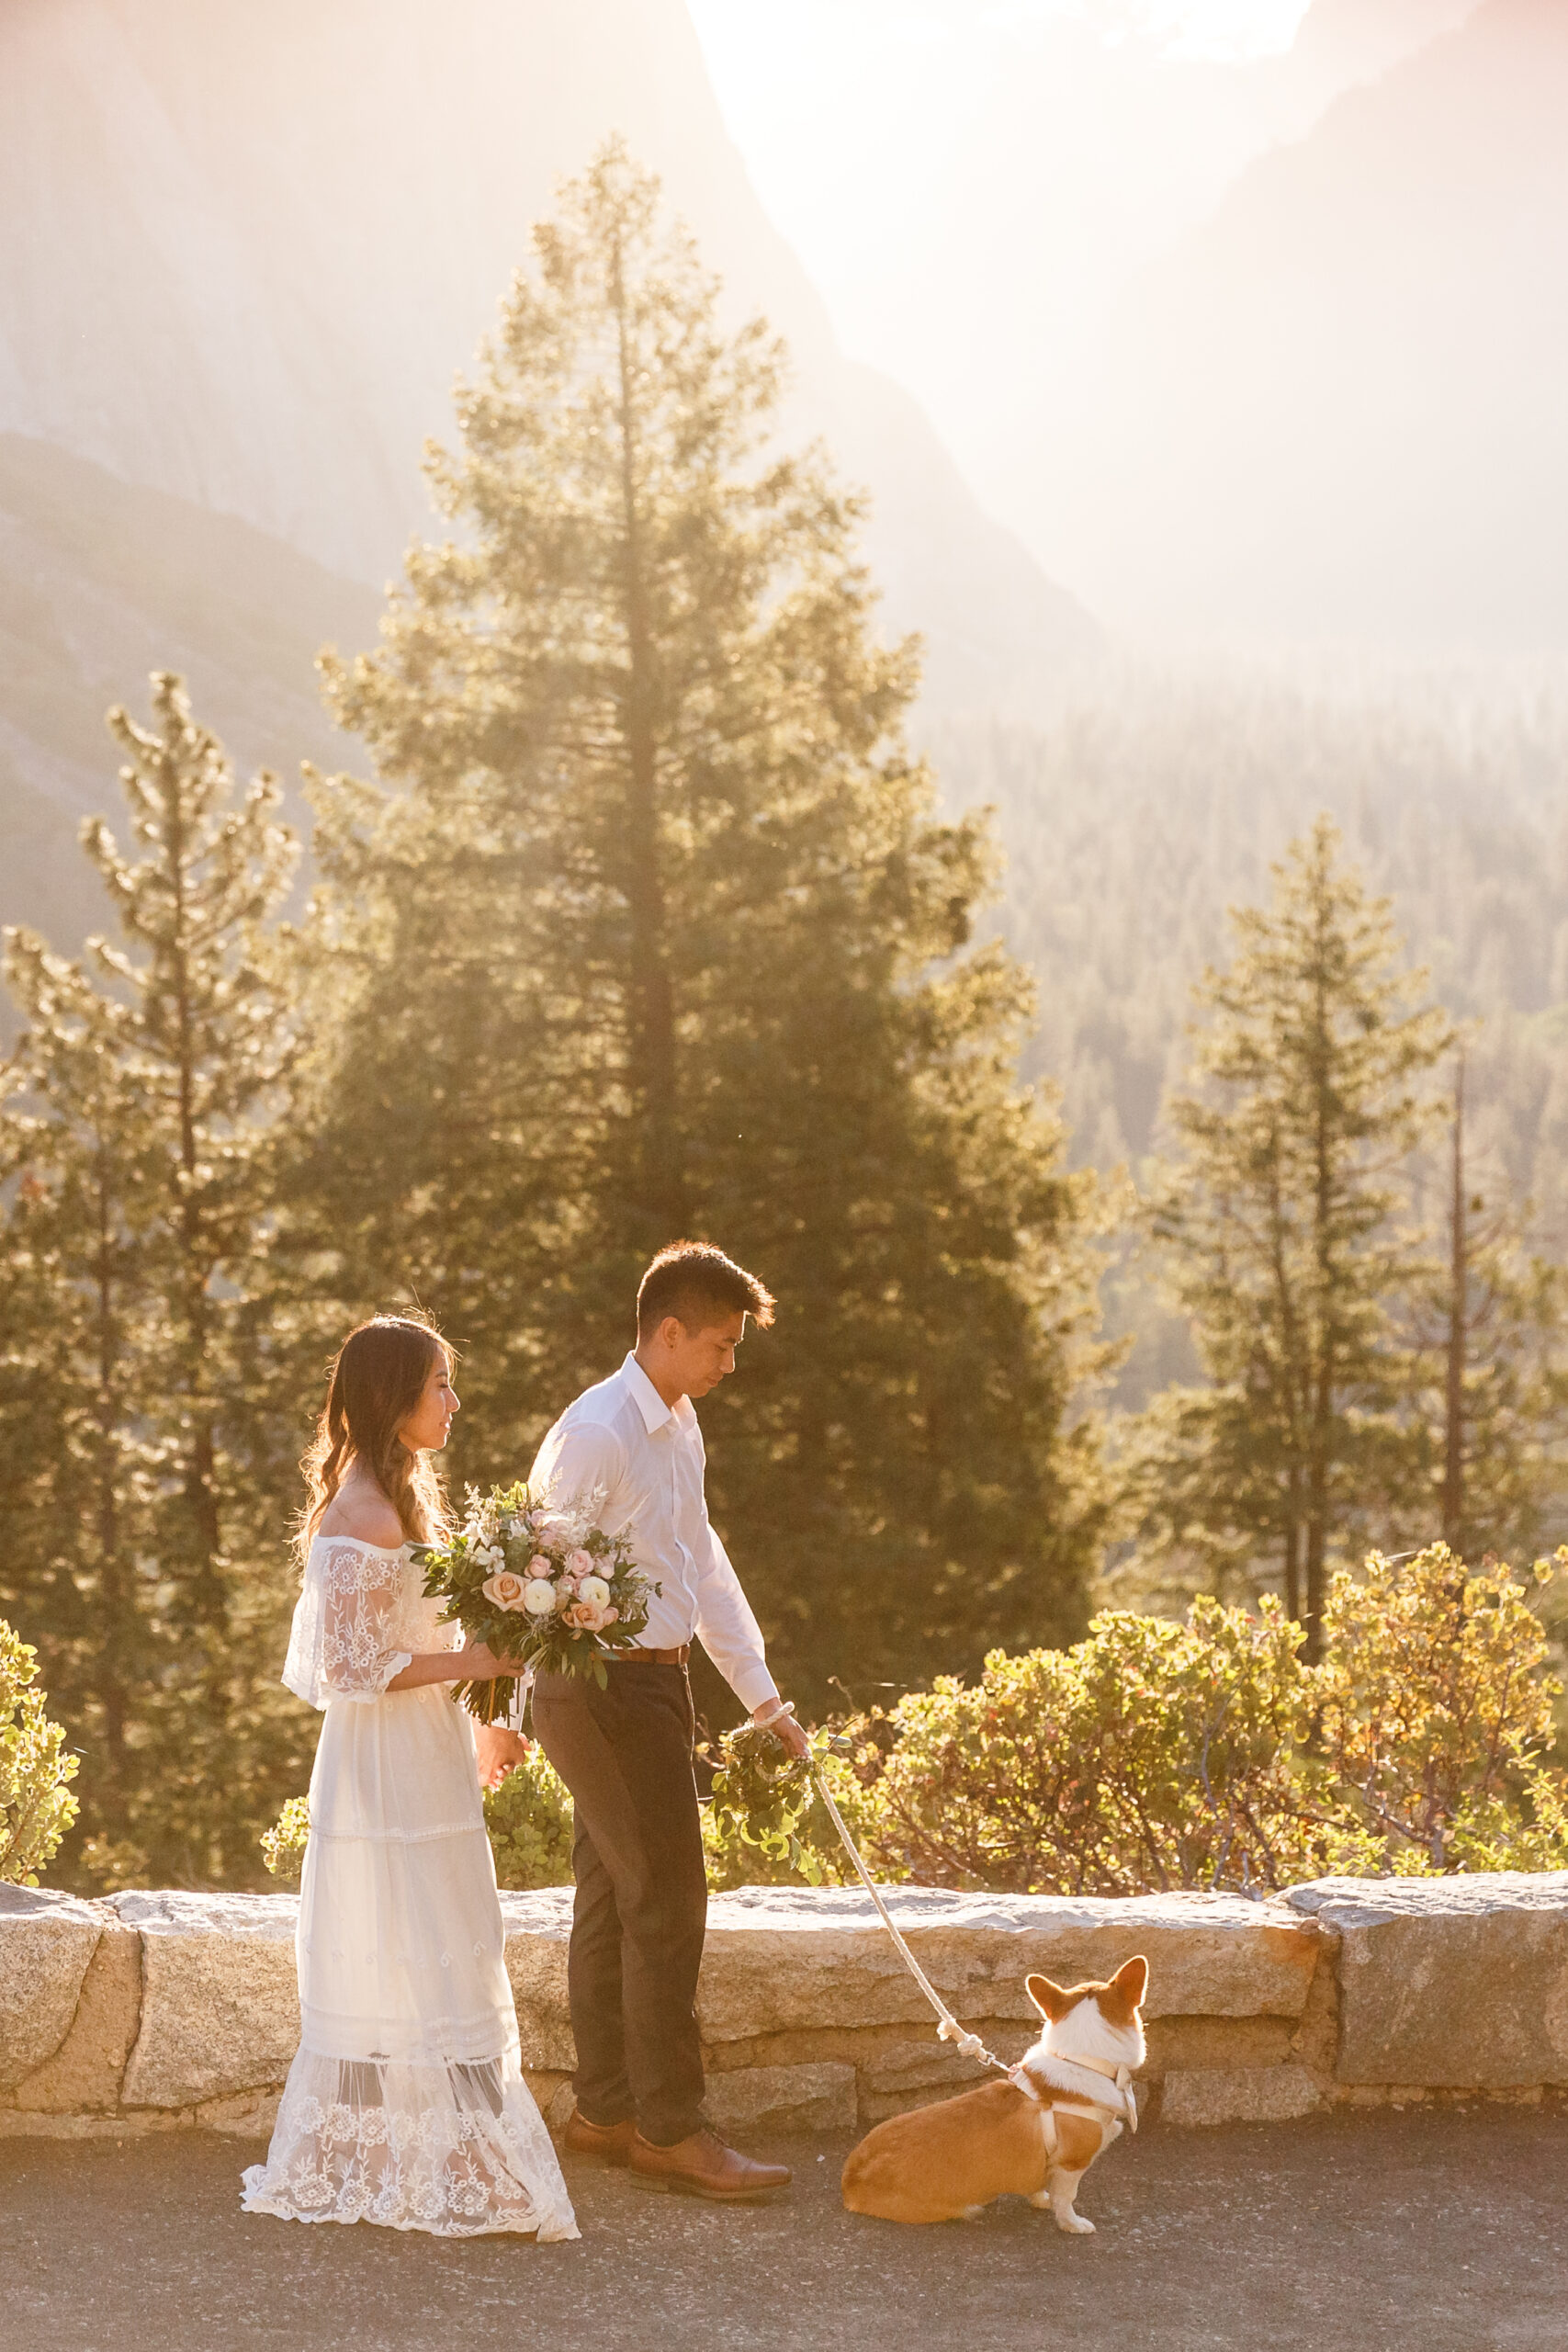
580, 1563
539, 1565
586, 1617
503, 1590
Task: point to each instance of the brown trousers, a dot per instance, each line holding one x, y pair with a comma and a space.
641, 1909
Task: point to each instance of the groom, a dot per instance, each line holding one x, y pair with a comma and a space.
626, 1752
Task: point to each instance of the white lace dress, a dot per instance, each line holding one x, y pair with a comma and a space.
405, 2103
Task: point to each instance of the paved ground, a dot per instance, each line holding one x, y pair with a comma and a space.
1379, 2232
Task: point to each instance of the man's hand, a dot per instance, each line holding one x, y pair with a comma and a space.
775, 1718
497, 1749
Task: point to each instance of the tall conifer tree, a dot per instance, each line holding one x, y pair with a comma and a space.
1491, 1331
1285, 1220
654, 930
144, 1526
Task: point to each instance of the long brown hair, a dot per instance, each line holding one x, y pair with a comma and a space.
377, 1380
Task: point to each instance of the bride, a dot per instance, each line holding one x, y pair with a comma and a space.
405, 2103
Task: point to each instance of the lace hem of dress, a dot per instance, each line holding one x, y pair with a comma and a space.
459, 2151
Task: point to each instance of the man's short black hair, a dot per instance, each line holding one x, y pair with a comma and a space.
699, 1284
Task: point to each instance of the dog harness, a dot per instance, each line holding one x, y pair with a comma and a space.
1123, 2109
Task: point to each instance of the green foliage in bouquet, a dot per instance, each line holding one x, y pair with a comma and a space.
36, 1807
766, 1825
536, 1581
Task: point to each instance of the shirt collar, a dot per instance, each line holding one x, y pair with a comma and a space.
649, 1403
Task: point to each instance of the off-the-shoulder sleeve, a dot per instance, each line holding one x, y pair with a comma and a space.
346, 1621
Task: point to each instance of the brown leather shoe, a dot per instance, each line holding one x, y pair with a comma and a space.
611, 2140
700, 2166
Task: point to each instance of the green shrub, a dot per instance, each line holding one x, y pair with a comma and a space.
283, 1846
1435, 1721
1154, 1756
36, 1807
529, 1820
1150, 1756
792, 1841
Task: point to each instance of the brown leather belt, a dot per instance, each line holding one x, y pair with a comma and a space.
649, 1657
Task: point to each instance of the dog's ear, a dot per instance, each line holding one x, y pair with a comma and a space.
1132, 1981
1048, 1998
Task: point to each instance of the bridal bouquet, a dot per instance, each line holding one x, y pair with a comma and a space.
537, 1580
762, 1795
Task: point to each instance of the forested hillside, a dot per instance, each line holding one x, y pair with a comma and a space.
1159, 798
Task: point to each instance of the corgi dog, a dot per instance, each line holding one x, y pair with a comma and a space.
1034, 2134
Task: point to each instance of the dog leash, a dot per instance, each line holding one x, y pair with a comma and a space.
947, 2026
969, 2045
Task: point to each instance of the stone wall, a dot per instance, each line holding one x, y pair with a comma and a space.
146, 2012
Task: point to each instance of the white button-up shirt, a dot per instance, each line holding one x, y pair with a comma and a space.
647, 1460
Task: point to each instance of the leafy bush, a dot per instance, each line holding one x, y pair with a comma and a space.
1151, 1755
36, 1807
1435, 1721
283, 1846
1154, 1756
529, 1820
767, 1826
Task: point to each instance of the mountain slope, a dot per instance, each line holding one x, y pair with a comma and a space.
1336, 410
101, 582
245, 252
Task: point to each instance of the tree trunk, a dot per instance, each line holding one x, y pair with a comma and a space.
115, 1645
1457, 1335
1320, 1393
201, 1491
652, 1042
1293, 1553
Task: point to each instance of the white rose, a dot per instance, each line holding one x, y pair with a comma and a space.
594, 1591
538, 1595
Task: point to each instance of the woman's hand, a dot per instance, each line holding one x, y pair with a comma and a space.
497, 1752
477, 1662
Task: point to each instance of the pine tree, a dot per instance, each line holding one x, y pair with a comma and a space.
1492, 1330
144, 1536
1285, 1224
652, 928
